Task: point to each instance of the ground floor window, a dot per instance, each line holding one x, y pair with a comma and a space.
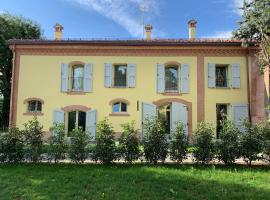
164, 114
76, 119
221, 114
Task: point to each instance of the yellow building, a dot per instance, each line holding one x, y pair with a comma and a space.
80, 82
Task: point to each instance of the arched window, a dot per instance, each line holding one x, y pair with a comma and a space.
119, 107
171, 78
77, 77
34, 106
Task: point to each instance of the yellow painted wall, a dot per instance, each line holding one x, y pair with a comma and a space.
40, 77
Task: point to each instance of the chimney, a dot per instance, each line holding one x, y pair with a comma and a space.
58, 31
148, 31
192, 29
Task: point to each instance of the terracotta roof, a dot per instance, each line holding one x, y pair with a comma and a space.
133, 42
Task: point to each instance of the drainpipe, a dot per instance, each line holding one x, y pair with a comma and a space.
12, 85
248, 64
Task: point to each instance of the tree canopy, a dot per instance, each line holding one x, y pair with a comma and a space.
12, 27
255, 25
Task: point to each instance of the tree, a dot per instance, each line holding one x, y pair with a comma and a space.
12, 27
255, 25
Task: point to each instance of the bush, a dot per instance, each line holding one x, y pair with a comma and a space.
266, 141
11, 146
129, 143
204, 145
79, 140
33, 138
179, 143
155, 141
229, 144
251, 142
57, 143
105, 148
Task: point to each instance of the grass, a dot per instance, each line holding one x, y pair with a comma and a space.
70, 181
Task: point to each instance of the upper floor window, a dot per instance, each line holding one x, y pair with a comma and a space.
171, 78
120, 75
221, 76
34, 106
77, 78
119, 107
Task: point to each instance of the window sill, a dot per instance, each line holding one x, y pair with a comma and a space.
123, 114
76, 93
170, 93
33, 113
221, 88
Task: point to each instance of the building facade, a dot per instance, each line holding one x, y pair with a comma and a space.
80, 82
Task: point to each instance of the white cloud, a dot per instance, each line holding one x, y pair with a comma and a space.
126, 13
237, 5
220, 34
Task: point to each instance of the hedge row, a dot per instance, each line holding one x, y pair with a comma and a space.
252, 143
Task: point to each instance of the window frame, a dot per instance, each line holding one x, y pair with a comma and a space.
114, 75
226, 66
76, 120
177, 66
120, 107
34, 112
72, 67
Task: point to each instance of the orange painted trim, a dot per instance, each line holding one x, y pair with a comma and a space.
76, 63
75, 107
169, 63
200, 89
33, 99
119, 114
119, 100
171, 94
163, 102
33, 114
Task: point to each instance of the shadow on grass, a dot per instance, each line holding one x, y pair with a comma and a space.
137, 181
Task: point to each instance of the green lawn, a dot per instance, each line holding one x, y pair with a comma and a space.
70, 181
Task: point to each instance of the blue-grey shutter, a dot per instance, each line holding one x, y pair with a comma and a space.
64, 77
211, 75
236, 75
131, 75
160, 78
58, 116
184, 83
88, 78
239, 113
179, 113
108, 75
91, 120
149, 111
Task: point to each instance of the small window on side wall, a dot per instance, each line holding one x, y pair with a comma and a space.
119, 107
34, 106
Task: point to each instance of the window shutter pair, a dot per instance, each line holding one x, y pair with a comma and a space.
131, 75
183, 78
239, 113
235, 76
88, 77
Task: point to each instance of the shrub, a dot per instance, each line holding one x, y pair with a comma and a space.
33, 137
179, 143
129, 143
204, 145
266, 141
57, 143
155, 141
105, 148
229, 143
11, 146
251, 142
78, 145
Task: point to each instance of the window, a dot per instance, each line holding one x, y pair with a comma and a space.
34, 106
77, 78
222, 112
119, 107
221, 76
120, 75
171, 78
76, 119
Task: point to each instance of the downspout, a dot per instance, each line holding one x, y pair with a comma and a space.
248, 64
12, 86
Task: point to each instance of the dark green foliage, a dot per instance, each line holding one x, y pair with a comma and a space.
228, 146
251, 142
155, 141
12, 27
204, 145
105, 148
78, 151
33, 139
129, 143
266, 141
11, 146
57, 143
179, 143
